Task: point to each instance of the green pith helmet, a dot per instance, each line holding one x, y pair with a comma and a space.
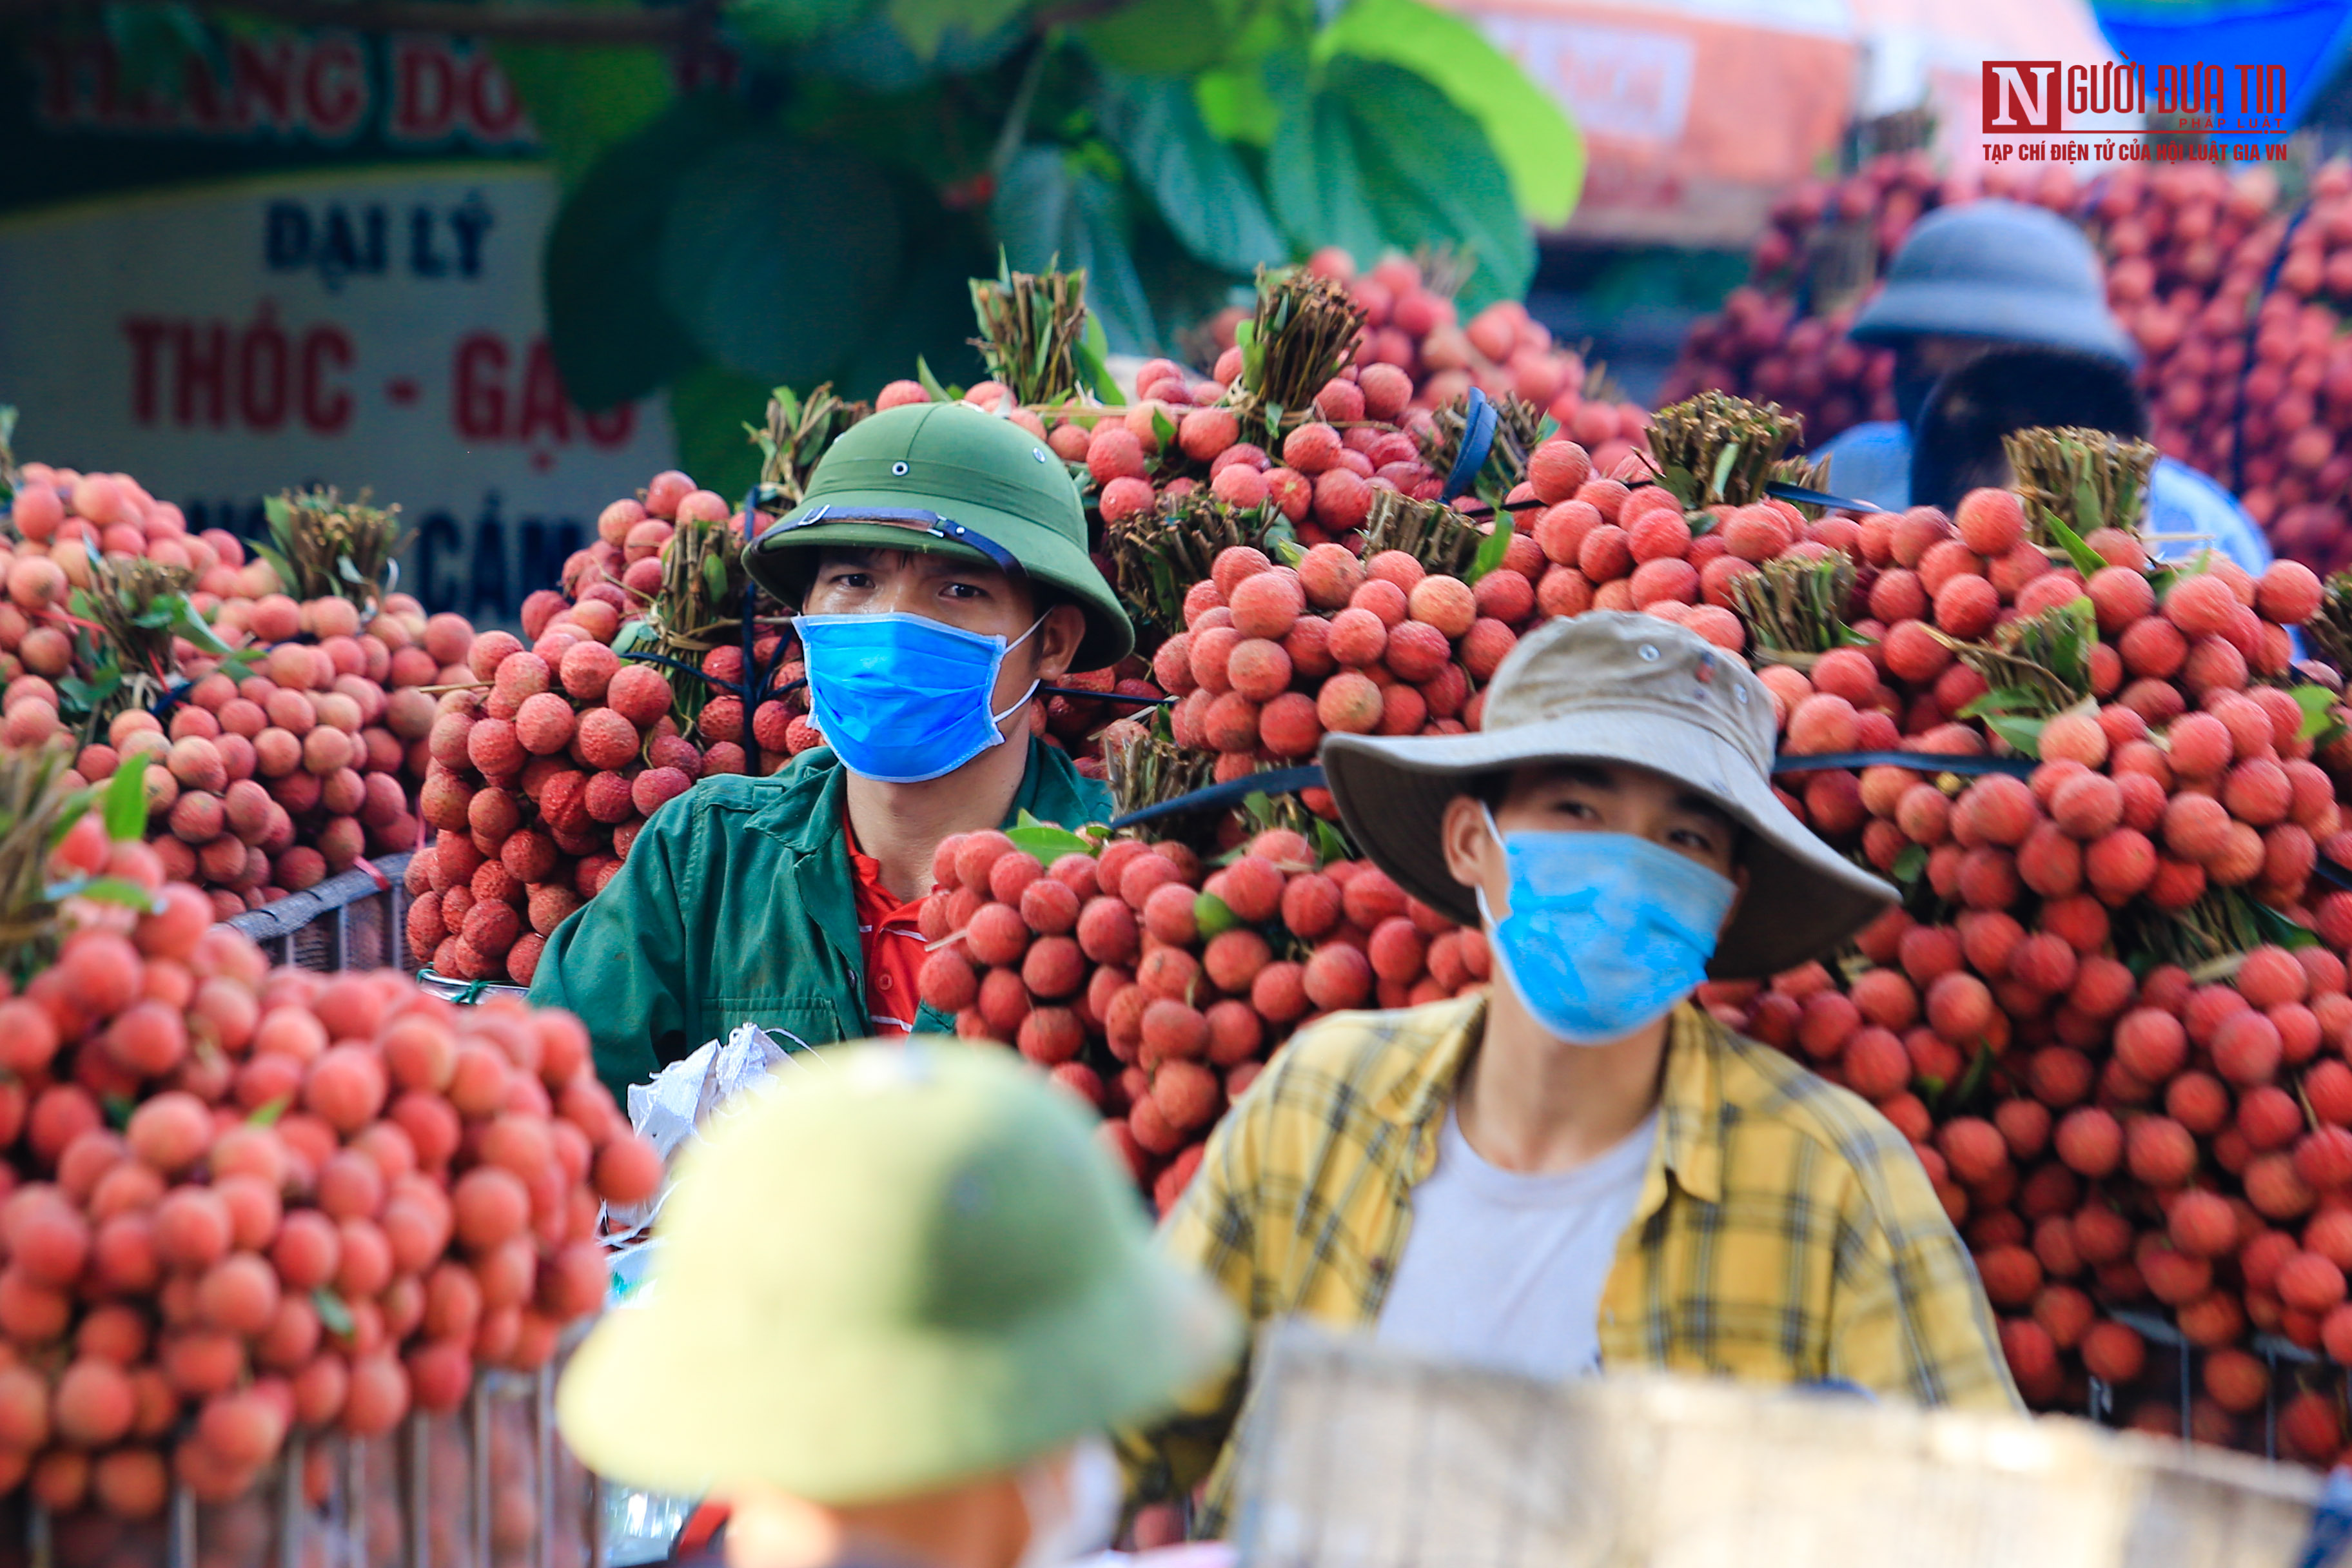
897, 1268
969, 468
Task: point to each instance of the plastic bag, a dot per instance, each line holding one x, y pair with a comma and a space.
684, 1097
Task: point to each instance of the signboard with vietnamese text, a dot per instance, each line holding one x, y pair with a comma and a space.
328, 274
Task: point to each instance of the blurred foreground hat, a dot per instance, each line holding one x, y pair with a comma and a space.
905, 1267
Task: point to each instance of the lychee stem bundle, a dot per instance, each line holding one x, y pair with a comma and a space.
33, 805
141, 606
1145, 767
1715, 447
2041, 664
323, 545
1795, 608
1518, 428
2089, 478
2210, 938
799, 431
1033, 332
1305, 332
1430, 532
2330, 630
697, 607
1157, 556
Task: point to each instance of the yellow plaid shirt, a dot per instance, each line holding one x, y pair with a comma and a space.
1785, 1231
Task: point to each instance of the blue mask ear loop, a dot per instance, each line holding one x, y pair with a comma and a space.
1479, 892
1023, 701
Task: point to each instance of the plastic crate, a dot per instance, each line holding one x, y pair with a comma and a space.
354, 919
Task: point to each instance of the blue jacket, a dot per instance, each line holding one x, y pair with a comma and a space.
1872, 463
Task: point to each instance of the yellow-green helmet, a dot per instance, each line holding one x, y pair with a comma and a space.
899, 1267
967, 473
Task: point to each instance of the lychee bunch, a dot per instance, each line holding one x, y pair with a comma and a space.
1155, 987
542, 774
242, 1203
2111, 1013
264, 775
1418, 355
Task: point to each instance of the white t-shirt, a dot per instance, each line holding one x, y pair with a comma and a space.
1505, 1270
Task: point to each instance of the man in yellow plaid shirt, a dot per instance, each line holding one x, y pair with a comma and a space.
1580, 1169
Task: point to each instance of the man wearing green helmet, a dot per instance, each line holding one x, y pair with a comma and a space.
900, 1297
939, 564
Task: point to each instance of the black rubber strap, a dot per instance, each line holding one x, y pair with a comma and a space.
1274, 781
1918, 762
1080, 693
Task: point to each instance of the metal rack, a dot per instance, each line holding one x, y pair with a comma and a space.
355, 919
487, 1486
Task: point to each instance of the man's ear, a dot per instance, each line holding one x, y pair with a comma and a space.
1463, 833
1738, 880
1058, 637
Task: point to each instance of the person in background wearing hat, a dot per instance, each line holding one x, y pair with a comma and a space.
1580, 1169
940, 564
2020, 288
901, 1296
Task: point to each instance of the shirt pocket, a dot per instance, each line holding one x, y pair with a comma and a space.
796, 1023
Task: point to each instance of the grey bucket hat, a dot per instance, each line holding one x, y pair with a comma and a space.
2002, 270
1610, 687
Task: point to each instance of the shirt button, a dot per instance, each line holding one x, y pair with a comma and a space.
883, 982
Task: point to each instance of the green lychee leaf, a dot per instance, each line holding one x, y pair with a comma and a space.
2316, 703
1491, 551
2087, 559
333, 1315
930, 383
126, 803
1047, 842
2024, 735
1212, 916
120, 891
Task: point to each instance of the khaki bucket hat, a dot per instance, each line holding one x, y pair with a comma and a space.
1610, 687
897, 1268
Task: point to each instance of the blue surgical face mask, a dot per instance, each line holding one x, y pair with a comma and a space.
902, 698
1606, 932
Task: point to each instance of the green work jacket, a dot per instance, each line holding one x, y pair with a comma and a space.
736, 906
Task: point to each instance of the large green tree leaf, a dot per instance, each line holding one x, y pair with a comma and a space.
930, 320
1312, 170
1048, 211
1235, 105
708, 407
1162, 38
1432, 177
585, 100
791, 24
1528, 131
780, 256
1205, 196
612, 336
926, 25
875, 55
1373, 157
